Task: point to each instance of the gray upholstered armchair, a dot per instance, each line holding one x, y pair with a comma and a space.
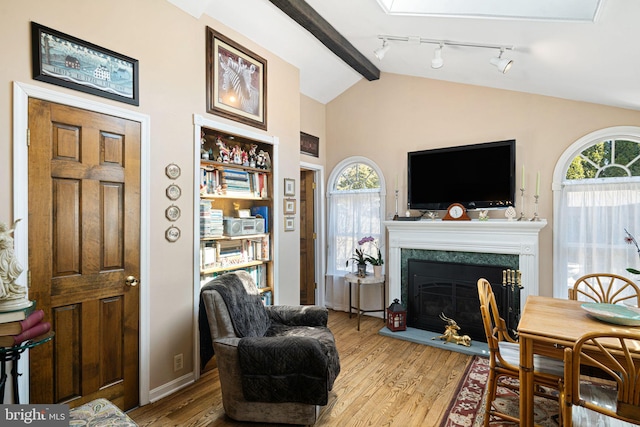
277, 364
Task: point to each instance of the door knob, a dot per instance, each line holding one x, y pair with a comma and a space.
131, 281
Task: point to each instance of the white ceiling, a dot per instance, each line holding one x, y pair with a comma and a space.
586, 61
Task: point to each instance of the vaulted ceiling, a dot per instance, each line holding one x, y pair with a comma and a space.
589, 58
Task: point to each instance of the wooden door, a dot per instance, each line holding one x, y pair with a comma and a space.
84, 241
307, 239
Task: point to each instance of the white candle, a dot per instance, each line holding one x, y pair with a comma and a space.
538, 184
522, 182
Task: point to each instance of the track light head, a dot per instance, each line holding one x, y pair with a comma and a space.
381, 51
437, 61
502, 64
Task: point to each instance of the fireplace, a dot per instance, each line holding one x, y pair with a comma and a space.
519, 239
438, 288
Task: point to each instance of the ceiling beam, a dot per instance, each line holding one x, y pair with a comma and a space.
311, 21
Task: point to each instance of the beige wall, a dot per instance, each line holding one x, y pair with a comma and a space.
385, 119
170, 46
313, 121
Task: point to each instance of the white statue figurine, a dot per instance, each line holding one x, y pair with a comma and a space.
12, 295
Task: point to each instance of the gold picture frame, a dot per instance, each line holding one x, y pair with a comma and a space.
289, 223
289, 206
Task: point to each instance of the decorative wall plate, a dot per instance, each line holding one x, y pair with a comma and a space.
172, 170
172, 213
174, 192
172, 234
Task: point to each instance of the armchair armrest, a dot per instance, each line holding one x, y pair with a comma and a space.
298, 315
233, 342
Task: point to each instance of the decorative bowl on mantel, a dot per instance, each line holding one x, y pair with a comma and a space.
612, 313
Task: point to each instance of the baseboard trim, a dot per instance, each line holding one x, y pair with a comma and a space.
171, 387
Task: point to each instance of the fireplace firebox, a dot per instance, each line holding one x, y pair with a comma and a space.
436, 287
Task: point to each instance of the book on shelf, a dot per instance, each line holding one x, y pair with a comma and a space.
262, 212
17, 314
36, 330
210, 180
266, 298
18, 326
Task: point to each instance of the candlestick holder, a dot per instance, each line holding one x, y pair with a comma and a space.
535, 213
395, 217
521, 217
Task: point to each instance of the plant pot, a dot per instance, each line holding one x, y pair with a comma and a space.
362, 270
377, 271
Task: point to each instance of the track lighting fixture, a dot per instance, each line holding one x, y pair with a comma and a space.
381, 51
437, 61
503, 64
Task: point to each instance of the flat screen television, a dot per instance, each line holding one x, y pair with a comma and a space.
479, 176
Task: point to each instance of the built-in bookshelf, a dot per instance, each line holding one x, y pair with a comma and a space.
235, 197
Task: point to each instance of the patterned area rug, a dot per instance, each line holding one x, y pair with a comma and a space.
467, 409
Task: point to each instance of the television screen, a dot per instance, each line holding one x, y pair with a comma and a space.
477, 176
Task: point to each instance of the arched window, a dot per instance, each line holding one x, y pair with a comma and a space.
355, 202
596, 198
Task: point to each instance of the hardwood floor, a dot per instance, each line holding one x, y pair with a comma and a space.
383, 382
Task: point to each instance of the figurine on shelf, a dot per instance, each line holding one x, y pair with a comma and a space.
12, 295
260, 160
263, 161
252, 155
204, 154
224, 151
236, 155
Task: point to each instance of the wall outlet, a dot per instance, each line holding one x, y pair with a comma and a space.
177, 362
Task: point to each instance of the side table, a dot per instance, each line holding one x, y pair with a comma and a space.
366, 280
13, 354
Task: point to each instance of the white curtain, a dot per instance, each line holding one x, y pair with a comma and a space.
352, 215
592, 219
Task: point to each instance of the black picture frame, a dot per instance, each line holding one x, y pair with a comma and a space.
236, 81
309, 144
70, 62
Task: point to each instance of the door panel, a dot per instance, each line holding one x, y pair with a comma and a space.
84, 240
307, 239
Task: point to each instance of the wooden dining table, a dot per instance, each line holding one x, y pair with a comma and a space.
548, 325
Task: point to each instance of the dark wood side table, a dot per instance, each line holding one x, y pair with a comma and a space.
366, 280
12, 354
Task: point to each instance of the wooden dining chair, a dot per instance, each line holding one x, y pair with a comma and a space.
616, 353
504, 358
606, 288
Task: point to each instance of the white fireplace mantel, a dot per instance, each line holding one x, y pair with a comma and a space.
493, 236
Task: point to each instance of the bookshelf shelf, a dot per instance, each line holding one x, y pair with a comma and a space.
248, 236
230, 196
231, 267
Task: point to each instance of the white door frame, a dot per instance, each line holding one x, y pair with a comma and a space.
21, 94
319, 226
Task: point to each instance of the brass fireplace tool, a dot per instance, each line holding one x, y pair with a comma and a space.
512, 278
